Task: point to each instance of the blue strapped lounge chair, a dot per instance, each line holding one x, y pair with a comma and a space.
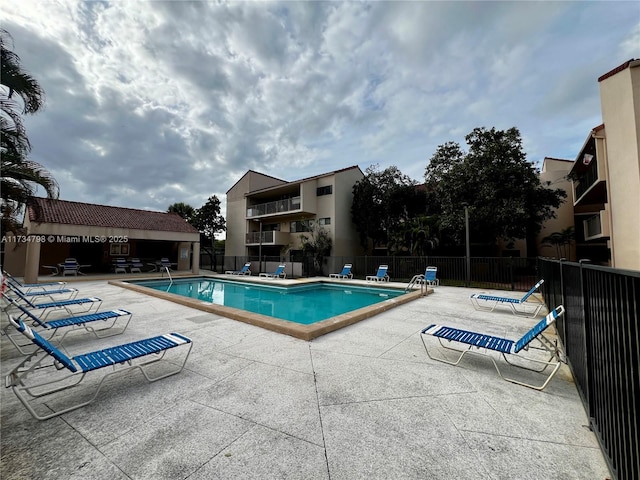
243, 271
69, 293
48, 370
505, 347
430, 276
279, 273
345, 273
88, 304
165, 263
120, 265
70, 267
28, 287
135, 265
96, 323
492, 301
380, 276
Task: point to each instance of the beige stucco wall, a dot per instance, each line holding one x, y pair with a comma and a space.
308, 197
620, 102
345, 240
555, 171
234, 244
250, 182
15, 254
237, 209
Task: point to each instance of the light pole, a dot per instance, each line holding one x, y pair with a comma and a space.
259, 245
466, 229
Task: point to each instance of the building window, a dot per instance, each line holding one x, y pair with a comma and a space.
301, 226
328, 190
119, 249
324, 221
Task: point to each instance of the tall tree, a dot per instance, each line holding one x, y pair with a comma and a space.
185, 210
383, 202
316, 243
501, 188
561, 241
20, 177
209, 221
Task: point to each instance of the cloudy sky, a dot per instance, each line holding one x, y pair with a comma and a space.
151, 103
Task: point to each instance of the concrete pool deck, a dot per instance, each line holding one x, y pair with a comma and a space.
364, 401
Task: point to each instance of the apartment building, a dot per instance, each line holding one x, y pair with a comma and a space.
266, 215
555, 173
606, 175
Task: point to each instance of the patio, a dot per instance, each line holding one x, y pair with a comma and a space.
361, 402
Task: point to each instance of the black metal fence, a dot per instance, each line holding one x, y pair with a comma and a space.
600, 335
486, 272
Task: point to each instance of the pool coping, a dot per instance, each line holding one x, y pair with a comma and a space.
303, 332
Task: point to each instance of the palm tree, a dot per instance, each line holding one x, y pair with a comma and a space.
20, 176
185, 210
561, 241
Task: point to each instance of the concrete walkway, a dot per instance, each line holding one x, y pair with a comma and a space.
362, 402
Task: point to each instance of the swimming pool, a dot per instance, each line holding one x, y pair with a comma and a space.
304, 304
326, 305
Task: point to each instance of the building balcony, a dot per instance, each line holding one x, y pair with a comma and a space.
590, 186
268, 238
597, 226
273, 208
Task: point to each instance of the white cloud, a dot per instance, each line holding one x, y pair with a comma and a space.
630, 45
151, 103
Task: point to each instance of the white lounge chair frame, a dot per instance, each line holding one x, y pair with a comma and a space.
345, 273
482, 344
380, 276
101, 324
70, 267
490, 302
135, 265
30, 287
245, 270
48, 371
120, 265
66, 293
88, 304
279, 272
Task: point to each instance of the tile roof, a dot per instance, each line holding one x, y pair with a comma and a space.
618, 69
559, 159
327, 174
45, 210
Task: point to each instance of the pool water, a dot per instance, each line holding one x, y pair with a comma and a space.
304, 304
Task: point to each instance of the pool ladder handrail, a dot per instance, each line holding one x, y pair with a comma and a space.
416, 279
168, 273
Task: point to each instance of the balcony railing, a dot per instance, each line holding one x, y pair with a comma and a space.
254, 237
271, 208
597, 225
592, 227
268, 238
586, 180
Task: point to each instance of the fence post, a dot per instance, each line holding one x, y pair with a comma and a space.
563, 301
513, 286
586, 325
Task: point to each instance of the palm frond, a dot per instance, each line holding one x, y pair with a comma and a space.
17, 81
